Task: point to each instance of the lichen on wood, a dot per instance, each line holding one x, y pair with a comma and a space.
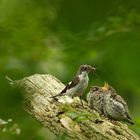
68, 118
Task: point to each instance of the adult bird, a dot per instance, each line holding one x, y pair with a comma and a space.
78, 85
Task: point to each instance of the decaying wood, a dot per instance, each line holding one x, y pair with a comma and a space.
66, 118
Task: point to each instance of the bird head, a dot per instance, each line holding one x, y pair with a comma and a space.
96, 89
107, 88
85, 69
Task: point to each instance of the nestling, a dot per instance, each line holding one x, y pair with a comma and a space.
95, 98
114, 105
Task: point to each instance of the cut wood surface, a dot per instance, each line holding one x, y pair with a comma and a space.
65, 116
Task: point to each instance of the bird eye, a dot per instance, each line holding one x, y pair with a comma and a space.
85, 68
94, 89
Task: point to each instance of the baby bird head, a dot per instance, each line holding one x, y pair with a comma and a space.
108, 89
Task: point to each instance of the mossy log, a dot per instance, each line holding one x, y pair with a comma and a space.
62, 117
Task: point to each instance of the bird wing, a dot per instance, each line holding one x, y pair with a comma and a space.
124, 111
121, 100
128, 117
71, 84
118, 98
68, 86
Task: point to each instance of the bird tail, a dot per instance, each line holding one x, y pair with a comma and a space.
55, 96
128, 119
59, 94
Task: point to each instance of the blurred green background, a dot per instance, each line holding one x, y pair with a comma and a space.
55, 37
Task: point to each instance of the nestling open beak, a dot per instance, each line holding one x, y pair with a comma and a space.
105, 87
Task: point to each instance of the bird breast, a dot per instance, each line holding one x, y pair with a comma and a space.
80, 87
83, 83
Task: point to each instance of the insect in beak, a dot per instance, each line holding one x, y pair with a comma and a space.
93, 69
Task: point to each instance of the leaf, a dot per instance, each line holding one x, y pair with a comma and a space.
72, 115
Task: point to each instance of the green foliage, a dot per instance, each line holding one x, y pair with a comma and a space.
62, 137
7, 128
78, 117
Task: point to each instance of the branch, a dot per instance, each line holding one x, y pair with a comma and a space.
62, 117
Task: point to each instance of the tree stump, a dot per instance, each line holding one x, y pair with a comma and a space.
69, 118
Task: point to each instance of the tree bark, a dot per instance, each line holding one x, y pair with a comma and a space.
65, 116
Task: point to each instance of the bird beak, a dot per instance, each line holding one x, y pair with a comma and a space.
93, 69
105, 87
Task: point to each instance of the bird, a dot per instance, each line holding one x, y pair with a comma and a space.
78, 85
95, 98
115, 106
